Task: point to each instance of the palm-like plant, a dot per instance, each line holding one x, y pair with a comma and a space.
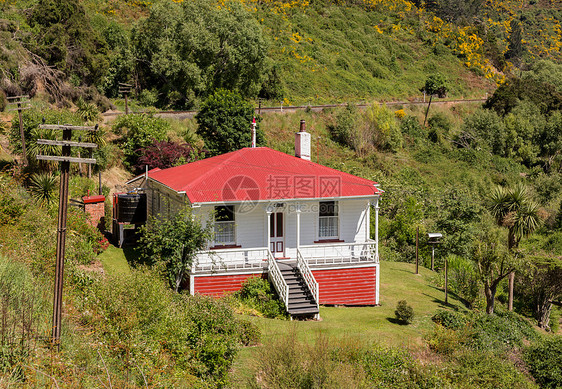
34, 148
513, 208
42, 187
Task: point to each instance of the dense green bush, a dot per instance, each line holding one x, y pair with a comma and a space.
64, 38
140, 322
139, 131
450, 319
411, 126
344, 130
224, 122
404, 312
544, 361
258, 293
383, 128
500, 331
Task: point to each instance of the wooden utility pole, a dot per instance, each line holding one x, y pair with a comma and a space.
125, 89
65, 160
417, 246
19, 103
446, 282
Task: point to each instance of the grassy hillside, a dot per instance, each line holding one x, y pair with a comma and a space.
310, 52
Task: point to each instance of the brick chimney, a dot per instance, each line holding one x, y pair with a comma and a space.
302, 142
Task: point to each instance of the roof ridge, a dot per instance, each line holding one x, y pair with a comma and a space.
323, 166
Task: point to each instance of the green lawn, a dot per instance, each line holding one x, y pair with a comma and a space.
114, 259
369, 324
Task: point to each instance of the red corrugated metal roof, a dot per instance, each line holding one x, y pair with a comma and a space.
260, 174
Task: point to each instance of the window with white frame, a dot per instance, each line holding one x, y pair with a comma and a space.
225, 230
328, 221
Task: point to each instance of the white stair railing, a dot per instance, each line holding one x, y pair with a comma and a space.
276, 278
308, 276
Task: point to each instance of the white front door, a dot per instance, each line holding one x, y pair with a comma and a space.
276, 234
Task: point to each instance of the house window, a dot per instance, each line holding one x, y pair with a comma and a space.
328, 221
224, 225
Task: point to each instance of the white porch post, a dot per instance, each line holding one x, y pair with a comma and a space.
377, 229
191, 284
268, 222
298, 227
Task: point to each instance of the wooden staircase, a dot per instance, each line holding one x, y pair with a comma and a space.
301, 299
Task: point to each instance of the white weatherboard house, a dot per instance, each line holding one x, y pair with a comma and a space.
303, 225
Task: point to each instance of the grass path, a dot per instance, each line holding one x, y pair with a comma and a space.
366, 324
114, 259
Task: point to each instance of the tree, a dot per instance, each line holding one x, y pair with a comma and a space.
543, 285
513, 208
458, 218
493, 261
515, 47
67, 39
435, 85
193, 48
174, 242
225, 121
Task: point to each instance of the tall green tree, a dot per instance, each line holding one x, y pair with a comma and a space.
493, 261
173, 243
515, 46
543, 285
513, 208
435, 85
193, 48
66, 39
225, 120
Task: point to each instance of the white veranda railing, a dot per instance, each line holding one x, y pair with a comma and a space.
230, 259
277, 279
333, 253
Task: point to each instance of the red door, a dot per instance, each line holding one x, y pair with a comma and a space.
276, 239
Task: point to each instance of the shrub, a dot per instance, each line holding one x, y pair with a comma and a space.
450, 319
383, 128
344, 131
88, 111
411, 126
139, 131
43, 187
544, 361
142, 326
447, 341
249, 333
404, 312
501, 330
166, 154
259, 294
224, 122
